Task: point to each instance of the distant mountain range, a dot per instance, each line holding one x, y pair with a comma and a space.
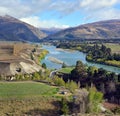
50, 31
12, 29
109, 29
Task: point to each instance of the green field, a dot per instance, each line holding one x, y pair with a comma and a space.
28, 99
114, 47
66, 70
25, 89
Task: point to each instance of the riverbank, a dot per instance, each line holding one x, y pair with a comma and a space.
107, 54
70, 59
105, 62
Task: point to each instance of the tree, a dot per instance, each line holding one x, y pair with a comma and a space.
44, 65
91, 70
95, 98
36, 76
118, 77
34, 50
72, 86
79, 72
32, 57
58, 81
64, 65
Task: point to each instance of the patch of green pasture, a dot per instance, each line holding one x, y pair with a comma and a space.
66, 70
18, 90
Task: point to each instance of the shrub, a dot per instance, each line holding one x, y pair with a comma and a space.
94, 98
64, 106
71, 86
58, 81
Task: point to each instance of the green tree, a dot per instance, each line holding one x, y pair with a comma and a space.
72, 86
79, 72
32, 57
91, 70
95, 98
58, 81
36, 76
64, 106
44, 65
64, 65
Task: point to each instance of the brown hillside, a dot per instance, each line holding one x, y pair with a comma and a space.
99, 30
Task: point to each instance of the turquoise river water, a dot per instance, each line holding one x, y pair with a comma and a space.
70, 58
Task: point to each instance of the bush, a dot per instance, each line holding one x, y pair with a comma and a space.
94, 98
72, 86
58, 81
64, 106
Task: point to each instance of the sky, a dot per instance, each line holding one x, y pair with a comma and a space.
60, 13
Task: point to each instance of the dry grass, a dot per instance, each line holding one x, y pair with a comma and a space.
29, 107
114, 47
28, 99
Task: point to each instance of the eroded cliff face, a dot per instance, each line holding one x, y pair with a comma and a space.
16, 59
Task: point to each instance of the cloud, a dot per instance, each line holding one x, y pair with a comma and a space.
25, 8
90, 10
37, 22
22, 8
100, 10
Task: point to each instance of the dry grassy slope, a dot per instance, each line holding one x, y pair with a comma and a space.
98, 30
14, 29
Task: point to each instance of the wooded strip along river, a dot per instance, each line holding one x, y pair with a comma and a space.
70, 58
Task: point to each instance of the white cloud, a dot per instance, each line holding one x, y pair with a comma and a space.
101, 10
90, 9
37, 22
22, 8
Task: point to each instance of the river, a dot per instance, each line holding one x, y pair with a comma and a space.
70, 58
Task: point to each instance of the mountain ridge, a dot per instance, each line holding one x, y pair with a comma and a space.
97, 30
13, 29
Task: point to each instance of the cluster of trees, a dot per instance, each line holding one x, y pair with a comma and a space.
104, 81
97, 53
42, 54
84, 101
38, 56
70, 85
102, 54
70, 45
